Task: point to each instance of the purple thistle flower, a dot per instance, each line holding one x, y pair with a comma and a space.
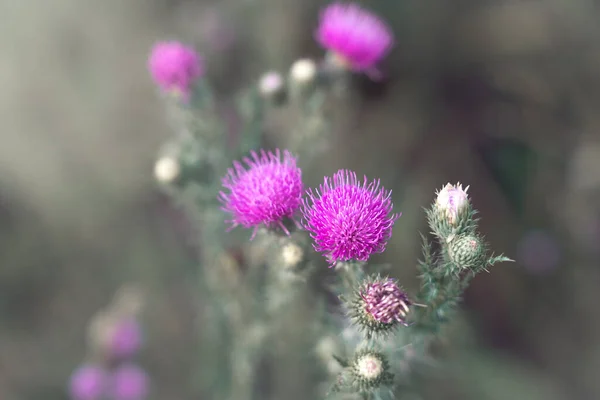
88, 382
126, 338
386, 302
357, 37
175, 67
349, 220
129, 382
265, 192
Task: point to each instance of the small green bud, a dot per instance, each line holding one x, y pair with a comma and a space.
370, 370
467, 251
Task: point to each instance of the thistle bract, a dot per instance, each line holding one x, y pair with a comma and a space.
349, 219
265, 192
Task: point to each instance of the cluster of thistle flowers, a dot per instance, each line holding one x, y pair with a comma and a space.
355, 38
110, 371
349, 220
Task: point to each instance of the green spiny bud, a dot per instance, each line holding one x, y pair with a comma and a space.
467, 251
370, 370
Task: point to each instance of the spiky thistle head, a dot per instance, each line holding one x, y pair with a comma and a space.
264, 192
378, 306
357, 38
370, 371
349, 220
468, 251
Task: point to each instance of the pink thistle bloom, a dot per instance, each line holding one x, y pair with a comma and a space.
357, 37
349, 220
175, 67
386, 302
88, 382
129, 382
126, 338
265, 192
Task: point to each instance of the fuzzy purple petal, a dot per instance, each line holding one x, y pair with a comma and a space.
386, 302
347, 219
360, 37
264, 191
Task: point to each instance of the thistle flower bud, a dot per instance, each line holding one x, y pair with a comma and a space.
303, 71
370, 370
452, 201
303, 76
291, 255
271, 87
467, 251
379, 306
451, 213
167, 170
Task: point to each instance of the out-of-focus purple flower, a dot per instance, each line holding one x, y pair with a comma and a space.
357, 37
175, 67
126, 338
265, 192
386, 302
347, 219
88, 382
129, 382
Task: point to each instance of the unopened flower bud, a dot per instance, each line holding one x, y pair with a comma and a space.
272, 87
167, 170
303, 76
453, 202
370, 371
379, 306
451, 213
467, 251
291, 255
303, 71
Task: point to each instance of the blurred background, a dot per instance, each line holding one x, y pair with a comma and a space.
499, 95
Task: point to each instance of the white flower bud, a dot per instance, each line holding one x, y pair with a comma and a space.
291, 254
369, 366
271, 84
167, 170
303, 71
452, 200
